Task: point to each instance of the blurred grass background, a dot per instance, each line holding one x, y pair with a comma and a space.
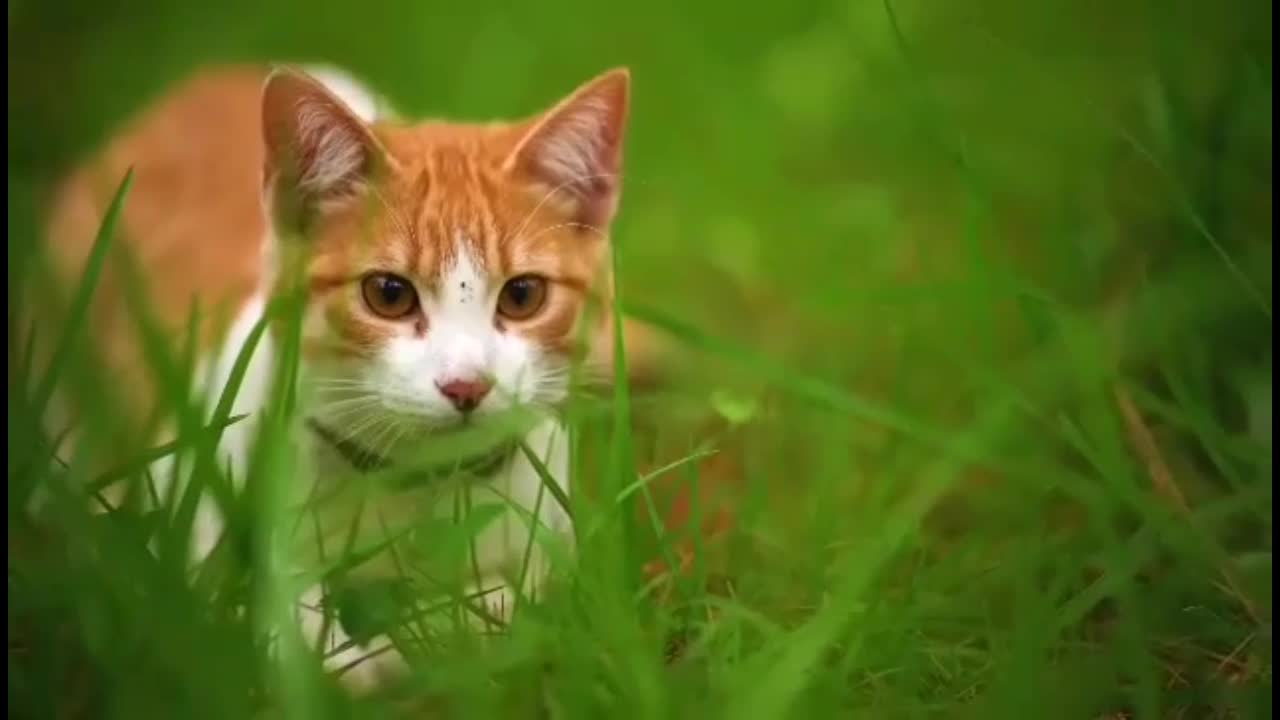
975, 299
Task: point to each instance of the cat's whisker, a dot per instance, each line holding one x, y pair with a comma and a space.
364, 426
380, 432
325, 399
356, 420
579, 225
550, 193
342, 414
339, 383
397, 429
340, 393
314, 376
351, 391
366, 377
395, 213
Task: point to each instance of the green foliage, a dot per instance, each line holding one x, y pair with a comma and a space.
982, 290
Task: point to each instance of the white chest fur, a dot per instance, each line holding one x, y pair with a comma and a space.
523, 522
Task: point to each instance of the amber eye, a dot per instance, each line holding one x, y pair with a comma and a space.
388, 296
522, 297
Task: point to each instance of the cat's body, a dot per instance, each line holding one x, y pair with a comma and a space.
324, 469
446, 270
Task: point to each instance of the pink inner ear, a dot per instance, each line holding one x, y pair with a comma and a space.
576, 147
325, 149
332, 153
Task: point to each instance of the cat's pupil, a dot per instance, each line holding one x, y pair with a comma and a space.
518, 291
391, 291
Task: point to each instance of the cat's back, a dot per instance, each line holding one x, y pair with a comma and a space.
192, 225
193, 218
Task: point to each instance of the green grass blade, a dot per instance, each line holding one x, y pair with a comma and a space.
79, 311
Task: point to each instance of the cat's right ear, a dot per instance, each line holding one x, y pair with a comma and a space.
319, 153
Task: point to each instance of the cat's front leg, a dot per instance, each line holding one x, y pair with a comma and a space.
518, 550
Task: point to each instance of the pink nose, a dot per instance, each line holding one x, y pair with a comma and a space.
464, 394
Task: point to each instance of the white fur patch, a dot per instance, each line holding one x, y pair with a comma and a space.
392, 404
461, 343
255, 385
214, 374
350, 91
237, 439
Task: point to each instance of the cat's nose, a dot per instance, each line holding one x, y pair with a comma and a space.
465, 394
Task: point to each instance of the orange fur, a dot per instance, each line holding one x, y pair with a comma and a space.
194, 224
248, 182
447, 194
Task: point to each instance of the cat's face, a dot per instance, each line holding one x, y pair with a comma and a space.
448, 267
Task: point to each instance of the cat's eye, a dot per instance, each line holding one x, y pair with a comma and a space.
522, 296
388, 296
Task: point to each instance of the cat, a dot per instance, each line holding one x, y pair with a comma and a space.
447, 270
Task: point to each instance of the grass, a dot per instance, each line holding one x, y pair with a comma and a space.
973, 307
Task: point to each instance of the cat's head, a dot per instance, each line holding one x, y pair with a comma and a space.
447, 267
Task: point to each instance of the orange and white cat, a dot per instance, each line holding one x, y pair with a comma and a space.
446, 267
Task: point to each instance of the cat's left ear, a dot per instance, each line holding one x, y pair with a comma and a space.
574, 150
320, 153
